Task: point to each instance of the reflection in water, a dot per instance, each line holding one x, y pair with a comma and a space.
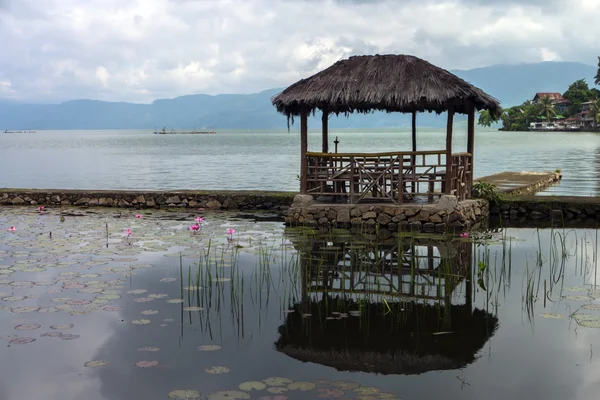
403, 306
411, 317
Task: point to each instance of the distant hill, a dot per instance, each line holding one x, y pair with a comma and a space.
511, 84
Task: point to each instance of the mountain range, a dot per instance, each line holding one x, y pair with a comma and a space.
511, 84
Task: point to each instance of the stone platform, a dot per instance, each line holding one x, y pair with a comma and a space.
447, 215
521, 183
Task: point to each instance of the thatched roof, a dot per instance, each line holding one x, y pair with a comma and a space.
393, 83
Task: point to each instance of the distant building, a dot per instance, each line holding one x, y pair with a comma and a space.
554, 96
560, 103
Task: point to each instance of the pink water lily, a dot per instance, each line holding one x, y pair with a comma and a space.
138, 215
199, 220
12, 229
231, 231
127, 232
464, 235
41, 208
195, 227
201, 209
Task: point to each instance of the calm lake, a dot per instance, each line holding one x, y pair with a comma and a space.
266, 160
88, 310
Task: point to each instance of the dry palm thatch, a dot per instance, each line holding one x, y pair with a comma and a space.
392, 83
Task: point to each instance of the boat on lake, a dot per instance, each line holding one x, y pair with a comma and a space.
164, 131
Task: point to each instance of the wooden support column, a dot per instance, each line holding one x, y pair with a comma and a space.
413, 158
471, 144
449, 149
303, 151
414, 130
325, 131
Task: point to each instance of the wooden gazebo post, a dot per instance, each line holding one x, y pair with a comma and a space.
303, 150
470, 143
449, 149
325, 130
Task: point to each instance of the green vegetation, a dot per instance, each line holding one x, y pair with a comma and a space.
489, 192
518, 118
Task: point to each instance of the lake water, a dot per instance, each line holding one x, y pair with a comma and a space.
88, 311
266, 160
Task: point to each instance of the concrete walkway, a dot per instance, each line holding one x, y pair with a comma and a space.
521, 182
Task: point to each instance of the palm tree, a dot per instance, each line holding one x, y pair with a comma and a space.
485, 118
545, 107
595, 111
597, 77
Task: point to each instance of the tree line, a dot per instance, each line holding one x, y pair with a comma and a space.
519, 117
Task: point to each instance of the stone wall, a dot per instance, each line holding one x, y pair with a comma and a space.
553, 208
447, 214
228, 200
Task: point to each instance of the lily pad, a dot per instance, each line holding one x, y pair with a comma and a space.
184, 394
367, 390
148, 349
577, 298
175, 301
552, 315
217, 370
96, 363
22, 340
78, 302
168, 280
24, 309
61, 327
209, 347
193, 308
146, 364
278, 381
346, 385
329, 393
150, 312
302, 386
51, 334
69, 336
277, 389
27, 327
137, 291
142, 299
228, 395
591, 307
141, 321
252, 385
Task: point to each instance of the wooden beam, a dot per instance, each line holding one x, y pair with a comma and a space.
449, 149
471, 143
414, 130
303, 151
325, 131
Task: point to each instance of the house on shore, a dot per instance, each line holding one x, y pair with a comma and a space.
583, 119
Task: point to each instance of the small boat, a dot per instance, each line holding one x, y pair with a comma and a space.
174, 132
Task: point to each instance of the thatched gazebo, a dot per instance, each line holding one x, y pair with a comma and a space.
392, 83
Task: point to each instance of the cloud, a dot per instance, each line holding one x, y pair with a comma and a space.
146, 49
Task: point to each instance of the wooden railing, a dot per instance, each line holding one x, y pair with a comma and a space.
461, 175
395, 176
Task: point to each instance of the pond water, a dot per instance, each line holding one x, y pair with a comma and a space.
88, 310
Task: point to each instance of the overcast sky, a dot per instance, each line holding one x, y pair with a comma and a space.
140, 50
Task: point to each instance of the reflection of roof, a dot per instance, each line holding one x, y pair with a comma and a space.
414, 339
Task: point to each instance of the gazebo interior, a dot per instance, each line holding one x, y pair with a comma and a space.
391, 83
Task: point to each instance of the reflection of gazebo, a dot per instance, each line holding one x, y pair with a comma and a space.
385, 306
392, 83
411, 340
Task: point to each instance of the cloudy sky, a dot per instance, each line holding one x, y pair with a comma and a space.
140, 50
